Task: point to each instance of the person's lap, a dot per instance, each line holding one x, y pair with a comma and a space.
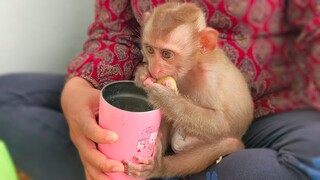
282, 146
34, 129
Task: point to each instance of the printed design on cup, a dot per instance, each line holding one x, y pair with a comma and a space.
147, 140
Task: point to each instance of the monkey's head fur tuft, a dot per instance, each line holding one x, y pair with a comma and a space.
166, 17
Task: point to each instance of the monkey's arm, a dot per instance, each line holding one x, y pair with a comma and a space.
203, 122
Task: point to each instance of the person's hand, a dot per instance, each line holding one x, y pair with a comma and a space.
80, 104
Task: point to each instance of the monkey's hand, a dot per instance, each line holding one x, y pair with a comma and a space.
168, 82
146, 167
142, 76
161, 96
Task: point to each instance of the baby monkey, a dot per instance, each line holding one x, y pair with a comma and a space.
211, 110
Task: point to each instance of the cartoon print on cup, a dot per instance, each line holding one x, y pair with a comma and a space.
141, 145
147, 140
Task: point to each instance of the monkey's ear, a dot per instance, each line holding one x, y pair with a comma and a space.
208, 40
145, 17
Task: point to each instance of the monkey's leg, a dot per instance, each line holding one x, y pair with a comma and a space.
184, 163
198, 158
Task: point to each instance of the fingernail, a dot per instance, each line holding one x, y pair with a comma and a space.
118, 169
112, 137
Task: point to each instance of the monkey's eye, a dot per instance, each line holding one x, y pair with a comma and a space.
149, 49
167, 54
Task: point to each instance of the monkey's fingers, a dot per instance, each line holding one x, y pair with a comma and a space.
148, 81
168, 82
171, 86
141, 74
138, 170
141, 160
130, 170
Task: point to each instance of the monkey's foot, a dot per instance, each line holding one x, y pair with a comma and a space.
143, 169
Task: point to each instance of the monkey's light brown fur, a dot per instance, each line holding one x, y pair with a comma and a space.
213, 109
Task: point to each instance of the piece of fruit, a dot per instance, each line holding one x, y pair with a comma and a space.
168, 81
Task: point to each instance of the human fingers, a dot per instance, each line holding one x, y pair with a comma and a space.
89, 126
94, 158
92, 174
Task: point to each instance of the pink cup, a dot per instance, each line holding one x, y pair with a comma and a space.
124, 109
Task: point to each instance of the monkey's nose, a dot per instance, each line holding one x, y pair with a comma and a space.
156, 74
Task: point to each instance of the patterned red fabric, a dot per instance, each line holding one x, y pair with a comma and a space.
275, 43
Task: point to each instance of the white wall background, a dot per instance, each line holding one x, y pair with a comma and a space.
42, 35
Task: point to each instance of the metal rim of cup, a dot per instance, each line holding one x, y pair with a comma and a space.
123, 81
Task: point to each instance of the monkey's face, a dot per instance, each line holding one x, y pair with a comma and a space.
171, 55
166, 60
161, 61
